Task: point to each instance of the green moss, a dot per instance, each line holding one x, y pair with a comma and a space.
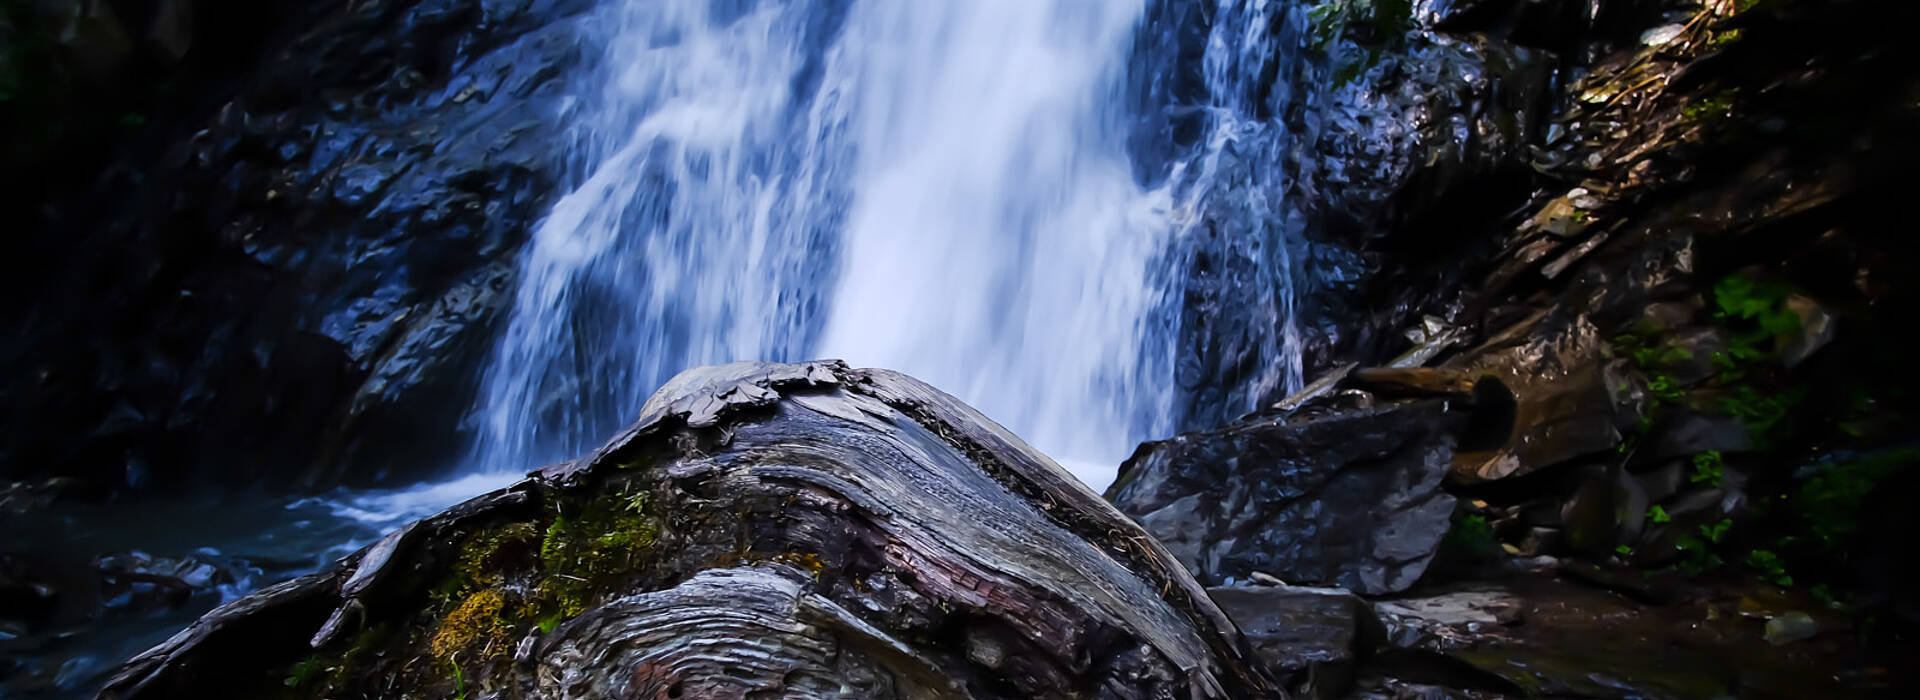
585, 553
1712, 109
1374, 27
305, 671
484, 558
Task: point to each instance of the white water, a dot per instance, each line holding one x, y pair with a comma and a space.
937, 187
997, 246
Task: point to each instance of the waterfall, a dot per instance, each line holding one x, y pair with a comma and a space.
942, 187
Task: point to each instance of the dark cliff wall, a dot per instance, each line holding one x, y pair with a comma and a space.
277, 257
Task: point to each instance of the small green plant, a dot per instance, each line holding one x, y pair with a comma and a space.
1829, 502
1376, 25
1645, 352
1756, 312
635, 502
1710, 109
304, 672
1664, 389
1696, 555
1770, 566
1472, 537
1708, 468
1823, 595
1761, 412
1659, 515
1697, 551
1716, 531
459, 683
1623, 550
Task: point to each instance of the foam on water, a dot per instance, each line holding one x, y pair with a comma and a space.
936, 187
386, 509
941, 187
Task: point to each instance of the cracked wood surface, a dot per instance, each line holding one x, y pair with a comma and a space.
821, 532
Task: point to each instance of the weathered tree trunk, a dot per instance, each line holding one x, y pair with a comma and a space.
764, 530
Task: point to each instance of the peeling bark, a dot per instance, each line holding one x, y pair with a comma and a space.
764, 530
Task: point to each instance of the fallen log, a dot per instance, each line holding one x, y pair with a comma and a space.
764, 530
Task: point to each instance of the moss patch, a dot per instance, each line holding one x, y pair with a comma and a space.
476, 625
485, 557
585, 552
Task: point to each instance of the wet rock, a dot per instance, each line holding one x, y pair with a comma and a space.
1683, 433
63, 618
805, 530
20, 501
1389, 688
422, 369
1568, 401
1609, 509
53, 595
1686, 355
1538, 636
1447, 618
1312, 639
315, 236
1372, 168
1791, 627
1539, 541
1351, 500
184, 572
1664, 481
1817, 328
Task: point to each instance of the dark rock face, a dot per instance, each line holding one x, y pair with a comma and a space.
795, 530
1352, 500
1314, 639
1342, 206
304, 272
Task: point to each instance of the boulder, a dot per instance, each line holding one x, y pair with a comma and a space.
1351, 500
1609, 509
804, 530
64, 617
1313, 639
1569, 401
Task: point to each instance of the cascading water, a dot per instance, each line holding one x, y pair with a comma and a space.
940, 187
953, 188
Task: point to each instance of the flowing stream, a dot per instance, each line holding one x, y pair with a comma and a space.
1014, 200
940, 187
